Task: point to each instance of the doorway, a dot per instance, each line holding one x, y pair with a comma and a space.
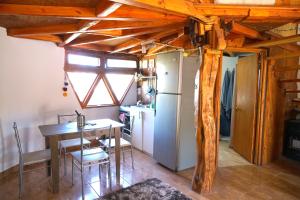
239, 83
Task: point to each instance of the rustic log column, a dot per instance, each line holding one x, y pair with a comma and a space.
208, 121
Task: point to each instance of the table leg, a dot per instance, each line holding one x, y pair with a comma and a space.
47, 145
117, 154
54, 163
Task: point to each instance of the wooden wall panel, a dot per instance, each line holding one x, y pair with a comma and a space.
278, 106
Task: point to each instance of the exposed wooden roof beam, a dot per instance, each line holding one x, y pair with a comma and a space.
124, 13
83, 28
127, 34
135, 50
249, 11
246, 31
154, 37
159, 47
103, 9
73, 28
135, 13
43, 30
289, 47
201, 10
95, 47
184, 7
48, 38
275, 42
289, 80
55, 11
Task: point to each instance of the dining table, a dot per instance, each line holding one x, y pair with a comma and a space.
53, 133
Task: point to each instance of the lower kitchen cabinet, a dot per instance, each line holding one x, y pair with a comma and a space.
143, 129
148, 131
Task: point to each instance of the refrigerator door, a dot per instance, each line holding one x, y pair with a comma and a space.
165, 130
168, 72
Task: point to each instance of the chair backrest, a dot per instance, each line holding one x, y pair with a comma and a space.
66, 118
109, 128
17, 136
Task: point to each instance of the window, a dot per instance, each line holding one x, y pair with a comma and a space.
95, 85
83, 60
119, 83
121, 63
81, 82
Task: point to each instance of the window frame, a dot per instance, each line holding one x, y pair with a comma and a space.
101, 72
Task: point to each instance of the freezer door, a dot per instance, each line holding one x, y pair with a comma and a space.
168, 70
165, 129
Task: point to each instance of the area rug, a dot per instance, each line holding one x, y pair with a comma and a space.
151, 189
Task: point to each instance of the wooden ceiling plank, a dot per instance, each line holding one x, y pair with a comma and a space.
287, 68
95, 47
125, 13
104, 27
284, 56
154, 37
275, 42
38, 10
183, 7
131, 12
249, 11
121, 25
103, 9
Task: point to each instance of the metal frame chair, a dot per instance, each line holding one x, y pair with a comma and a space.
28, 158
64, 144
125, 145
89, 157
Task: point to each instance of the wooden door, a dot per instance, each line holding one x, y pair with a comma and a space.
243, 134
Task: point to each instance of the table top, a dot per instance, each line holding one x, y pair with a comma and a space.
66, 128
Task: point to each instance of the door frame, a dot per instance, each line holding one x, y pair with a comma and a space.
260, 101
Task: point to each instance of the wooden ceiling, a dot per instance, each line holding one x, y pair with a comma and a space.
141, 26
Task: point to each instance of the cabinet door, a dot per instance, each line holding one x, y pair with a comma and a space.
137, 129
148, 131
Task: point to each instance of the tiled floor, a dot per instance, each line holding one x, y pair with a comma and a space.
235, 179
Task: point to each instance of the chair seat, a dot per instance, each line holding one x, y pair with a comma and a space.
123, 142
73, 142
36, 156
90, 155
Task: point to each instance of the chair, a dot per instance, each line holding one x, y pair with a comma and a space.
125, 145
65, 144
28, 158
89, 157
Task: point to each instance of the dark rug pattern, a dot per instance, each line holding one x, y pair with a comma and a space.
151, 189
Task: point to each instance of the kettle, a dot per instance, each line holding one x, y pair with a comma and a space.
80, 120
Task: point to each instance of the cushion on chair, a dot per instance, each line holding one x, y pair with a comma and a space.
36, 156
73, 142
123, 143
90, 155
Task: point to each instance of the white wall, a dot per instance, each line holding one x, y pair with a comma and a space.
31, 78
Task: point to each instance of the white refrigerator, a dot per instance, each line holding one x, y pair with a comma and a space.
174, 131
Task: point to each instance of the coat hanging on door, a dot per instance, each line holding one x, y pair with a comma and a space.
226, 102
